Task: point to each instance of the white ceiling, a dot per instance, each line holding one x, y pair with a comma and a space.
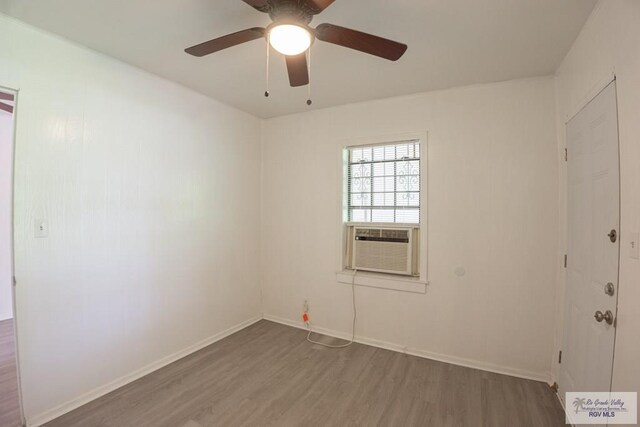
451, 43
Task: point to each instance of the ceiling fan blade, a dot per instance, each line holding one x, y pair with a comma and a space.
298, 71
261, 5
318, 6
367, 43
225, 42
6, 107
6, 96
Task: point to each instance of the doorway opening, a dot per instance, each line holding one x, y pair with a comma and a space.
10, 402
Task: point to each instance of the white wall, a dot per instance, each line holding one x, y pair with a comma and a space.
492, 209
151, 192
6, 143
610, 43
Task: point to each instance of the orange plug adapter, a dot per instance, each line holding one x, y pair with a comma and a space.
305, 317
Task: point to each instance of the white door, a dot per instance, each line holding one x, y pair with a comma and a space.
593, 221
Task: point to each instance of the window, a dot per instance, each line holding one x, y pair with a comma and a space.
382, 198
383, 183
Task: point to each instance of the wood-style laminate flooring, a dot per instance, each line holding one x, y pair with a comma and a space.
269, 375
9, 403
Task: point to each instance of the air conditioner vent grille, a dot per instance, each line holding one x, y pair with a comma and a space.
382, 249
382, 235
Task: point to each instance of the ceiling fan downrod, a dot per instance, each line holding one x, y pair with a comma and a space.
266, 92
309, 102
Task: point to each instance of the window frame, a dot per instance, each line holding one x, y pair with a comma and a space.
396, 208
384, 280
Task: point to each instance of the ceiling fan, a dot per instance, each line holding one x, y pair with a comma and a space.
291, 35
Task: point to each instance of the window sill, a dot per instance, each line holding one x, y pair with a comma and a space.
384, 281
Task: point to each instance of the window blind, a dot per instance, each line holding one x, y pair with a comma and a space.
383, 183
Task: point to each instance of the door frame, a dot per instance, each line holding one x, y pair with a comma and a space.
12, 266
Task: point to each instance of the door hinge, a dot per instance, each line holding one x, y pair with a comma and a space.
14, 281
565, 260
560, 357
566, 155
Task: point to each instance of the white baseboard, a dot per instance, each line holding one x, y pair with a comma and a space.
564, 408
69, 406
469, 363
107, 388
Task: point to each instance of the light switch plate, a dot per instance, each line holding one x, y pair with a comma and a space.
41, 228
634, 250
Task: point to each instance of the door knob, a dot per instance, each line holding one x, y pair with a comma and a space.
609, 289
613, 235
606, 316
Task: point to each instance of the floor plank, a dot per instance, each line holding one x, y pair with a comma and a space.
269, 375
9, 403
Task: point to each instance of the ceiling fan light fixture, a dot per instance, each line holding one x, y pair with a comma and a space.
290, 39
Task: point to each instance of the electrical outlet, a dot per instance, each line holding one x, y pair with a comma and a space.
305, 306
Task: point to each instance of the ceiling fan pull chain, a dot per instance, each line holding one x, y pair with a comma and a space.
309, 102
266, 92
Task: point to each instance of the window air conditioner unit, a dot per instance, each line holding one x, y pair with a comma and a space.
385, 250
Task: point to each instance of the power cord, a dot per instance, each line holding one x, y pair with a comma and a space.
353, 326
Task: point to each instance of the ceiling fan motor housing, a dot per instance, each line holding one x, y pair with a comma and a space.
291, 10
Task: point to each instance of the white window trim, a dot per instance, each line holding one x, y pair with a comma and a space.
382, 280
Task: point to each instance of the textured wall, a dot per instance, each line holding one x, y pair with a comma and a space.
492, 185
151, 193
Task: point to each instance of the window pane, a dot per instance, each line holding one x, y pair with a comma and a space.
408, 183
360, 185
384, 199
402, 151
383, 169
390, 169
411, 167
390, 183
389, 152
355, 155
360, 199
410, 216
408, 199
384, 183
360, 170
359, 215
378, 153
382, 215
